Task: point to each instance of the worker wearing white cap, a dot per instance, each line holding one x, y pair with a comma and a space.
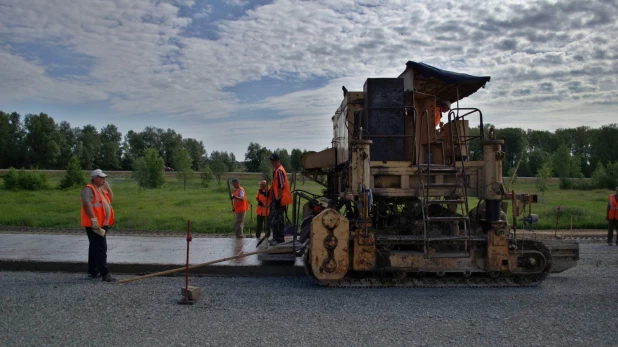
97, 216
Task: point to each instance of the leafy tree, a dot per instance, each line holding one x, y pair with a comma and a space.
253, 157
148, 170
536, 159
561, 161
603, 144
599, 177
227, 158
206, 176
284, 158
515, 144
74, 175
90, 142
196, 152
541, 140
12, 148
266, 169
152, 138
110, 148
170, 143
295, 160
612, 175
542, 177
41, 140
67, 143
183, 166
218, 168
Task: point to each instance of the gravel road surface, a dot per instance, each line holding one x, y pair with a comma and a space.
575, 308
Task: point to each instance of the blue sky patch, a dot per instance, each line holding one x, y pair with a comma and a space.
59, 60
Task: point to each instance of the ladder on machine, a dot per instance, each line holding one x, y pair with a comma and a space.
431, 196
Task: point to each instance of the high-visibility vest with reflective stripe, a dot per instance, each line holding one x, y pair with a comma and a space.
613, 207
285, 195
242, 205
261, 197
98, 209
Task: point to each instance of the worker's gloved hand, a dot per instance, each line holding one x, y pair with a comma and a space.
260, 204
232, 197
97, 228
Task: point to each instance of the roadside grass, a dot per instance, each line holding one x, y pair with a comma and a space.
209, 209
167, 208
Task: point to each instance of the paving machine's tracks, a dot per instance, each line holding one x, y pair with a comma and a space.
432, 280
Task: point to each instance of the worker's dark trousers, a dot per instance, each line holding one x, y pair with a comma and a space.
612, 225
261, 224
276, 222
97, 252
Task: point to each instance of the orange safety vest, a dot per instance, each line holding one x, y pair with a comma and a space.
613, 207
242, 205
438, 115
286, 195
97, 208
262, 197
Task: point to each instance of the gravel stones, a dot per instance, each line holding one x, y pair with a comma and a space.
574, 308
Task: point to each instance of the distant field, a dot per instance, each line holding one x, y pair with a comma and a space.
209, 209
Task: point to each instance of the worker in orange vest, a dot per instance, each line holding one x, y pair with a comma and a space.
240, 207
97, 216
262, 209
281, 197
612, 218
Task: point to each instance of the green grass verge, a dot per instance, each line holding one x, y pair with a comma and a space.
167, 208
209, 209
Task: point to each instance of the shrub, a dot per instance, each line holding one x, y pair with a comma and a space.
566, 182
11, 181
542, 177
74, 176
218, 167
612, 175
148, 170
32, 180
206, 176
582, 184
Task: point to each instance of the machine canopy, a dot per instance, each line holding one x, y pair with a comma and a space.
445, 85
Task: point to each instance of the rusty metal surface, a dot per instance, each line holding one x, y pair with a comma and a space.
329, 245
364, 257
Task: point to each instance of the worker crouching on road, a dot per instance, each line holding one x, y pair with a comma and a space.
612, 218
97, 216
281, 197
262, 209
240, 207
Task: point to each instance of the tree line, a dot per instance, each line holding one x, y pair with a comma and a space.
567, 153
38, 141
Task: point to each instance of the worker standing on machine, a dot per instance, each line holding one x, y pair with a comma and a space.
262, 209
281, 197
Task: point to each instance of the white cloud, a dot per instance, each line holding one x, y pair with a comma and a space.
539, 52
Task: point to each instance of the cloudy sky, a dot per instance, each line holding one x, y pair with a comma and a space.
230, 72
